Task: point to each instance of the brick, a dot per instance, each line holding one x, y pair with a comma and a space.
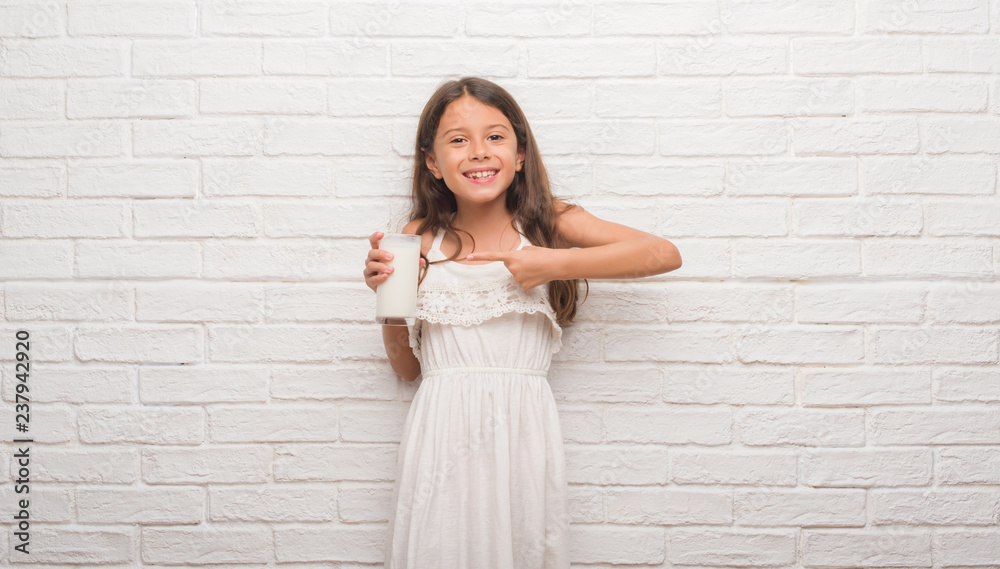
202, 384
949, 175
940, 425
75, 384
861, 303
973, 218
746, 97
966, 54
740, 137
131, 343
922, 94
936, 16
199, 302
376, 96
134, 179
197, 57
796, 344
863, 387
285, 259
714, 302
678, 99
31, 20
38, 179
663, 506
271, 423
852, 136
74, 544
730, 218
604, 384
866, 468
966, 547
598, 543
742, 467
298, 503
399, 19
749, 548
69, 301
311, 136
123, 18
798, 177
800, 507
143, 505
195, 218
155, 426
64, 58
362, 544
31, 99
775, 16
940, 507
160, 98
209, 544
616, 464
613, 57
963, 384
823, 56
715, 56
645, 179
927, 258
293, 18
543, 19
77, 139
267, 176
262, 96
300, 462
110, 464
615, 136
866, 548
203, 137
857, 217
808, 427
795, 258
123, 258
322, 219
671, 425
79, 218
744, 385
223, 464
968, 465
253, 343
342, 58
342, 381
936, 345
690, 344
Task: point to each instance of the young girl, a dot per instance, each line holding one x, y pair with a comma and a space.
480, 474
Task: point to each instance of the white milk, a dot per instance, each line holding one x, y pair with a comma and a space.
396, 297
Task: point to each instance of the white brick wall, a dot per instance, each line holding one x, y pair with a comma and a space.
186, 188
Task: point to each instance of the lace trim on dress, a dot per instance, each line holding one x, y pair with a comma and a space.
473, 302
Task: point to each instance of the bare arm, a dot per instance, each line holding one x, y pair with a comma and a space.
610, 250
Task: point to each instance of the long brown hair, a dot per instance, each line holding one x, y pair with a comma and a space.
529, 199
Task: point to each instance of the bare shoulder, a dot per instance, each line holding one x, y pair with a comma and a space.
426, 238
580, 228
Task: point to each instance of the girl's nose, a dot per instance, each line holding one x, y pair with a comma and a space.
479, 149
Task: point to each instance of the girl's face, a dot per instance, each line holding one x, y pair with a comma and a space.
475, 151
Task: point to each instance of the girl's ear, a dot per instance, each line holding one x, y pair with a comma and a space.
520, 159
432, 165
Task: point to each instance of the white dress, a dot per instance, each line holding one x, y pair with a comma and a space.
481, 471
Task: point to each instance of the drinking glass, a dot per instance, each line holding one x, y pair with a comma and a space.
396, 296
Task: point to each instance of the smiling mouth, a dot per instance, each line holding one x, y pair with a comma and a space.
483, 175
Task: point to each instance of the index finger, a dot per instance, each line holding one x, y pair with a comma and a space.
488, 256
374, 238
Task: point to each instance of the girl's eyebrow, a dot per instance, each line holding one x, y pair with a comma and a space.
490, 126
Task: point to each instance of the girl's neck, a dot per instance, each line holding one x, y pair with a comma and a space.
482, 220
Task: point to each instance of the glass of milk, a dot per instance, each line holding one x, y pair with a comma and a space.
396, 297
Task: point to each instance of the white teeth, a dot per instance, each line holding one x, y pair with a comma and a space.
486, 174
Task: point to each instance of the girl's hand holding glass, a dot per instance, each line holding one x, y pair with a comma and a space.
377, 268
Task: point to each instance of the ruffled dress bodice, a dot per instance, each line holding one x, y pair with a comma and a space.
455, 299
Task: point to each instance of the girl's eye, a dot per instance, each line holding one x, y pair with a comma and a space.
496, 135
491, 136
